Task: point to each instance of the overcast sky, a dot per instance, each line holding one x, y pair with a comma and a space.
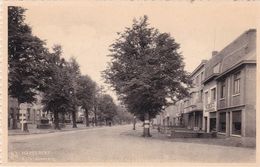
85, 30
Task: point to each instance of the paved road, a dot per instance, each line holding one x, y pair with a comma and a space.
118, 144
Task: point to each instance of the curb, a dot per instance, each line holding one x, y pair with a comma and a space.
57, 131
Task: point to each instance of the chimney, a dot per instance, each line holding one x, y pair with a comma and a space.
214, 53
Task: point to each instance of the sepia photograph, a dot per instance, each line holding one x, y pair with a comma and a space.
130, 82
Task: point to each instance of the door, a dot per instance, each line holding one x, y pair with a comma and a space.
206, 124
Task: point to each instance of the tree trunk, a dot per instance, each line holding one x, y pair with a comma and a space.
134, 123
63, 117
95, 117
56, 120
146, 125
16, 117
86, 117
74, 124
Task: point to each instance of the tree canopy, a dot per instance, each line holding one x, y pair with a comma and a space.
34, 69
26, 58
86, 92
107, 107
146, 69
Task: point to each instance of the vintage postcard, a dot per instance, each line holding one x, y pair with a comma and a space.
131, 83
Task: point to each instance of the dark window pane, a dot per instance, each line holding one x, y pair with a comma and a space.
236, 122
222, 122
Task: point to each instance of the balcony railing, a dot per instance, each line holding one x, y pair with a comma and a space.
210, 107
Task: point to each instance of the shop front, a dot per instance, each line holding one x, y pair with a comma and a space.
230, 122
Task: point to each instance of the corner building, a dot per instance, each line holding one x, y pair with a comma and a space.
230, 86
237, 87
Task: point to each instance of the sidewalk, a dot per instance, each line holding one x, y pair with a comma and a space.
220, 140
33, 130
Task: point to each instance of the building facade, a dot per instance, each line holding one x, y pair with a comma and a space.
12, 112
171, 116
236, 101
210, 93
34, 111
223, 96
193, 106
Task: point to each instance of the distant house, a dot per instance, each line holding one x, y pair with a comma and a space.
34, 111
12, 112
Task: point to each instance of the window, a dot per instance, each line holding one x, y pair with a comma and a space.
212, 125
197, 80
236, 122
222, 89
202, 76
206, 97
237, 83
222, 122
201, 96
213, 94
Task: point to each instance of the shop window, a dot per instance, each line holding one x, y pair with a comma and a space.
236, 122
212, 124
237, 83
222, 89
222, 122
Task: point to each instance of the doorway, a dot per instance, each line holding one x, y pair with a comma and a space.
206, 124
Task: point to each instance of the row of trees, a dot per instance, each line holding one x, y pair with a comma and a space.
34, 68
146, 71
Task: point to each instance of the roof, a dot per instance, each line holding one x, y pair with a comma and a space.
249, 59
203, 62
240, 50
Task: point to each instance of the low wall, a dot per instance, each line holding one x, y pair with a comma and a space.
192, 134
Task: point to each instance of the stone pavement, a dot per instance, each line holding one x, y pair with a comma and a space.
33, 130
118, 144
220, 140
